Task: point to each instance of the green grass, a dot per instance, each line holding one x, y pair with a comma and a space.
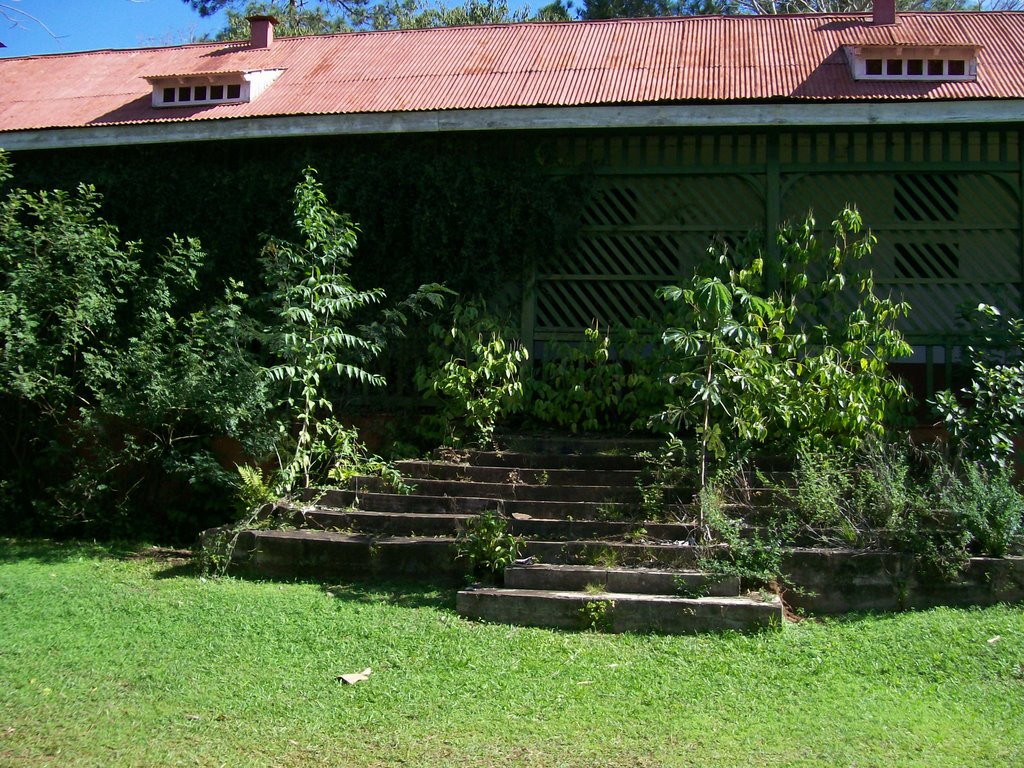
110, 659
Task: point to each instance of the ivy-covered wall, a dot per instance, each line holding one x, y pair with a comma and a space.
473, 211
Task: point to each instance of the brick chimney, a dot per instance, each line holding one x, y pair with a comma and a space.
261, 31
883, 12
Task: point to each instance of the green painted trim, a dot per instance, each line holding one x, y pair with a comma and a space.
772, 204
529, 311
1020, 219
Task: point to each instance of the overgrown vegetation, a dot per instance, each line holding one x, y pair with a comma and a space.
475, 376
131, 391
767, 354
128, 398
486, 546
606, 382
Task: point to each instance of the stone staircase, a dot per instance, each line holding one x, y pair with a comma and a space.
588, 558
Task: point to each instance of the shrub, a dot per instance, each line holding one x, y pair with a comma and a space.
989, 507
983, 417
486, 546
475, 377
581, 387
114, 384
767, 355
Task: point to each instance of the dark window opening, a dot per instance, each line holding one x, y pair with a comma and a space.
894, 67
873, 66
915, 67
234, 91
935, 68
216, 92
200, 93
957, 67
168, 95
185, 94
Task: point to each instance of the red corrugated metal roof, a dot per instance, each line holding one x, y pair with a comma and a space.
629, 61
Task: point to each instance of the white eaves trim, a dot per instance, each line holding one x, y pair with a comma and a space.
524, 119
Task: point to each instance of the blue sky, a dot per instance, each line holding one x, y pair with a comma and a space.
81, 25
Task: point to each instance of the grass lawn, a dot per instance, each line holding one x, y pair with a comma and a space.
109, 658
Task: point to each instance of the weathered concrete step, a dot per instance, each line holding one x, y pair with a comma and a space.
439, 470
521, 491
426, 504
322, 554
381, 523
396, 502
632, 580
611, 554
586, 445
449, 524
619, 611
514, 459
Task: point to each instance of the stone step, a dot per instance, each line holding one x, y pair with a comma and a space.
612, 463
614, 554
619, 611
581, 445
395, 502
426, 504
381, 523
439, 470
450, 523
518, 492
324, 554
632, 580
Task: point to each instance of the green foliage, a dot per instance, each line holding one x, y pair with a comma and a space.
581, 387
756, 558
128, 398
254, 489
486, 546
312, 301
478, 375
983, 417
596, 615
891, 496
990, 507
114, 387
312, 336
349, 458
767, 353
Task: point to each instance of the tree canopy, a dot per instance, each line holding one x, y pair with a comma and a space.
312, 17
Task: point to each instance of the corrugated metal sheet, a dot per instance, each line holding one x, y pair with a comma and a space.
631, 61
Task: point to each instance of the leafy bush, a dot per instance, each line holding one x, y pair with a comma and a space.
984, 416
476, 376
580, 387
989, 507
767, 354
121, 385
486, 546
114, 386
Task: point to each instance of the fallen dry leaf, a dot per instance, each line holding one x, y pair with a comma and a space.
355, 677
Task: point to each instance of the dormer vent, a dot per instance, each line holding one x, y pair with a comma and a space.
922, 63
261, 31
210, 88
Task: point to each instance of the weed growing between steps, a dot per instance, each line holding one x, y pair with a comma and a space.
486, 547
596, 615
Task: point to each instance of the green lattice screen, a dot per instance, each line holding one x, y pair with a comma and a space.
639, 233
944, 239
